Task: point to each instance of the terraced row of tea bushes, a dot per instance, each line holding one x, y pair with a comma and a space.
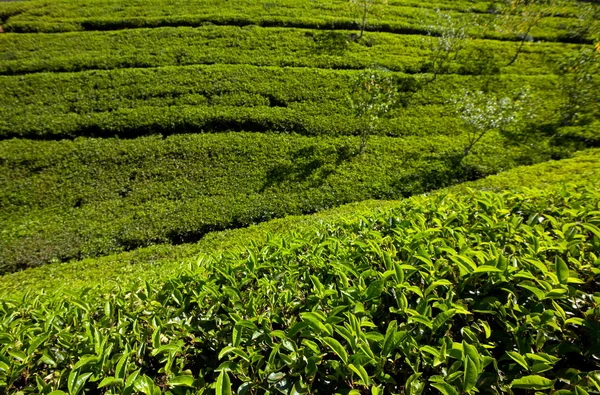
61, 16
26, 53
133, 102
73, 199
479, 292
154, 264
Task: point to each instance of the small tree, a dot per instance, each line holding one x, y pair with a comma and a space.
373, 96
482, 113
450, 36
365, 9
520, 17
579, 85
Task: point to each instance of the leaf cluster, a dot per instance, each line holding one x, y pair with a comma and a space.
479, 292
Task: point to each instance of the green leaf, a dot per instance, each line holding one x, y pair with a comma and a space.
421, 320
121, 369
361, 372
36, 343
470, 375
471, 352
236, 337
337, 348
110, 381
445, 388
85, 361
441, 318
399, 273
518, 358
223, 384
536, 291
580, 391
76, 384
375, 289
58, 392
540, 367
156, 338
298, 389
389, 341
562, 270
182, 381
533, 382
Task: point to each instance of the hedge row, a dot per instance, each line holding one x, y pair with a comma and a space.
155, 263
27, 53
473, 293
133, 102
73, 199
65, 15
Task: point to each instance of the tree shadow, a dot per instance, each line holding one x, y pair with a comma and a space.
310, 165
331, 42
441, 171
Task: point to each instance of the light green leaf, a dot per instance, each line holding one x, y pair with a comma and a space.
389, 342
85, 361
470, 375
518, 358
445, 388
110, 381
536, 291
441, 318
337, 348
79, 382
562, 270
533, 382
580, 391
361, 372
182, 381
223, 384
399, 273
421, 320
121, 369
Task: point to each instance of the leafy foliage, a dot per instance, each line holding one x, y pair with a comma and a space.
74, 199
172, 46
443, 292
404, 17
153, 264
221, 98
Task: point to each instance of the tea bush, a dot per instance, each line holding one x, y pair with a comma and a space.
217, 98
74, 199
152, 264
400, 17
252, 45
460, 293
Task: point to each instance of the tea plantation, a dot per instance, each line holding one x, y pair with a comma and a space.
299, 197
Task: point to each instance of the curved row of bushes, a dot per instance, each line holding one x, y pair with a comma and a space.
134, 102
27, 53
151, 264
479, 292
73, 199
400, 17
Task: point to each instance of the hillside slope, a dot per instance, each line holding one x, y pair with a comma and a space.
443, 292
